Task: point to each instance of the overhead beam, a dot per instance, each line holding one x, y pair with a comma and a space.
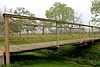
43, 19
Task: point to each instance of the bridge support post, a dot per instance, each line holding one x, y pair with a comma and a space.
99, 33
89, 29
6, 37
57, 34
80, 32
92, 35
43, 30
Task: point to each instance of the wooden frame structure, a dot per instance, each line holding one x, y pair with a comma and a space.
6, 29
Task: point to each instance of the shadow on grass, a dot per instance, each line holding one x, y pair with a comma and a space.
63, 54
23, 58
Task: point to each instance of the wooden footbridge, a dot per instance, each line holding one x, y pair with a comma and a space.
44, 45
55, 33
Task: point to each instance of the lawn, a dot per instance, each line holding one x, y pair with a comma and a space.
24, 39
65, 56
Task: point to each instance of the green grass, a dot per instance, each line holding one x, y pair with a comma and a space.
24, 39
1, 42
65, 56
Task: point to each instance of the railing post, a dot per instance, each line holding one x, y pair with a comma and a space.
89, 32
20, 32
89, 29
80, 34
6, 38
57, 34
43, 30
92, 35
99, 33
27, 31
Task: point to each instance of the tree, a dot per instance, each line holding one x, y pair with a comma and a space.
22, 11
2, 10
62, 12
44, 23
95, 10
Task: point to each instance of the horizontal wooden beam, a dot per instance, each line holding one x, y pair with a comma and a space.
43, 19
36, 25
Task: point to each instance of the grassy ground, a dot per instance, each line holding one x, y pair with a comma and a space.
65, 56
24, 39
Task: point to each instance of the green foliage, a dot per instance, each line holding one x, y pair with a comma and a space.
65, 56
60, 12
63, 12
95, 9
21, 11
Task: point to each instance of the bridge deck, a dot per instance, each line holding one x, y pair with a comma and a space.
27, 47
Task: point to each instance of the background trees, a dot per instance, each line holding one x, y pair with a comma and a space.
2, 10
62, 12
22, 11
95, 10
18, 11
58, 11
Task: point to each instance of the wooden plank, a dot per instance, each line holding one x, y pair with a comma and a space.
35, 46
43, 19
36, 25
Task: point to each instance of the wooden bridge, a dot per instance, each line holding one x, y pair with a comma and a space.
13, 28
44, 45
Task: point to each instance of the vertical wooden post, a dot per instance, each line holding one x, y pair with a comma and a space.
83, 34
80, 33
6, 35
92, 35
20, 31
89, 29
89, 32
27, 31
43, 30
12, 35
57, 34
99, 33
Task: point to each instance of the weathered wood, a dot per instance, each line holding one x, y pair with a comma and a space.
92, 35
42, 19
6, 29
21, 48
36, 46
99, 32
1, 58
43, 30
80, 32
89, 29
36, 25
57, 34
